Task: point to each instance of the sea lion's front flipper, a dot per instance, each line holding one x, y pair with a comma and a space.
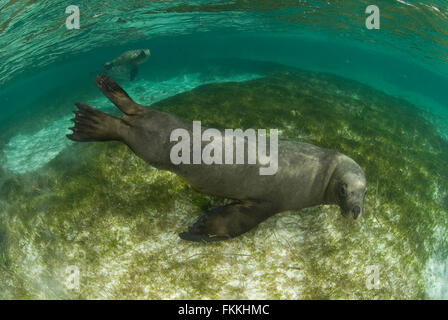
134, 71
228, 221
117, 95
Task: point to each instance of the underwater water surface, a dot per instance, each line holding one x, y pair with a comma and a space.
309, 68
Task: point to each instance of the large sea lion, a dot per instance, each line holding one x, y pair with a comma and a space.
307, 175
131, 58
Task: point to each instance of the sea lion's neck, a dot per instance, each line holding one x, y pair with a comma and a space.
330, 196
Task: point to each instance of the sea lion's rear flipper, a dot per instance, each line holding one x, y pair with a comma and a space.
94, 125
117, 95
228, 221
134, 71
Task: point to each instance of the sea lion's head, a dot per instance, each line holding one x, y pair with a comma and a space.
145, 53
348, 187
143, 56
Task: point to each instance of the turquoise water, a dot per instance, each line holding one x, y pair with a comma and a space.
45, 68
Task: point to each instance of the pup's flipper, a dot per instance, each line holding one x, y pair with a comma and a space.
134, 71
94, 125
228, 221
117, 95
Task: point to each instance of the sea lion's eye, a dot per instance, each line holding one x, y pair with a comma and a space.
343, 190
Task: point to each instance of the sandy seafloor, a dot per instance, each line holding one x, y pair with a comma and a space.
98, 209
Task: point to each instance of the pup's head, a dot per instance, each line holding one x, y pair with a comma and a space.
143, 55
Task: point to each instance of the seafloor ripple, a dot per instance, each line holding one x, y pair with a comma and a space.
101, 209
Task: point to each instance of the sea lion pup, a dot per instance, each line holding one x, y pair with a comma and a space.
130, 58
307, 175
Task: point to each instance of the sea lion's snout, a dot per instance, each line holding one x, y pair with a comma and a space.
352, 211
356, 210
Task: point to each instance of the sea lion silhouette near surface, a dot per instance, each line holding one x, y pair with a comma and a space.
307, 175
131, 58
